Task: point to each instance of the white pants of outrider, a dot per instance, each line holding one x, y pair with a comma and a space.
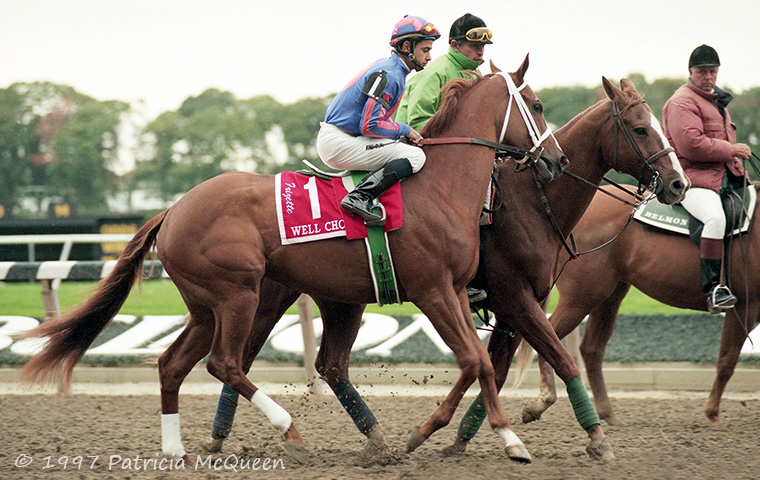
343, 151
705, 205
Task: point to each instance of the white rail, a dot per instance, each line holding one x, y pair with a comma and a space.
66, 239
50, 285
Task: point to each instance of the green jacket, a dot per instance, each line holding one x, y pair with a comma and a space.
422, 95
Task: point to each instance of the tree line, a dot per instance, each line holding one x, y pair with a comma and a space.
57, 143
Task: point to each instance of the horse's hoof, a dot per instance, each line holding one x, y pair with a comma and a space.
518, 453
189, 462
530, 413
413, 440
376, 453
611, 419
600, 450
713, 416
212, 445
457, 448
297, 452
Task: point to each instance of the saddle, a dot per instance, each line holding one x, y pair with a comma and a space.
738, 202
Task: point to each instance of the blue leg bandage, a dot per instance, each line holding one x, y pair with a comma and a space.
225, 413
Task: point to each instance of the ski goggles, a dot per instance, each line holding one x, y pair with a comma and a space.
479, 34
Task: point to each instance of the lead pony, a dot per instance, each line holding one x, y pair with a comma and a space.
619, 132
607, 276
518, 252
221, 240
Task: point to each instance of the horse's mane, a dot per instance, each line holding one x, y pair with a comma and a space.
450, 94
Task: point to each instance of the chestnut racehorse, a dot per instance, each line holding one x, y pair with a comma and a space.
221, 240
518, 251
662, 265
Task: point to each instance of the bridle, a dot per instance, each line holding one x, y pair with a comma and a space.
522, 157
530, 123
644, 161
619, 125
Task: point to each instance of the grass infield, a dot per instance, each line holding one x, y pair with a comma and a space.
160, 297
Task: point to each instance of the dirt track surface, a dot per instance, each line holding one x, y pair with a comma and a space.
662, 439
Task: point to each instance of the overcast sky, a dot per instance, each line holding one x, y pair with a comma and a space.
162, 51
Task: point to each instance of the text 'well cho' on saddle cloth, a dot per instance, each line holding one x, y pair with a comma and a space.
308, 208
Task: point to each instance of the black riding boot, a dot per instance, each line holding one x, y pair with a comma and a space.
719, 297
360, 200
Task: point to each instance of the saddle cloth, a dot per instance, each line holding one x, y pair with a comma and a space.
308, 208
675, 218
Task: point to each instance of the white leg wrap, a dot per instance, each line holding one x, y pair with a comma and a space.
278, 416
171, 440
509, 437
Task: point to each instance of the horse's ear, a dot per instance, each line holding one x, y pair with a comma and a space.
613, 92
520, 73
494, 68
628, 86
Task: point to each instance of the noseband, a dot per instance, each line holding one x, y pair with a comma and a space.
535, 135
645, 162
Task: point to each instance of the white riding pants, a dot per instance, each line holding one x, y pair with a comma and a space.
706, 207
342, 151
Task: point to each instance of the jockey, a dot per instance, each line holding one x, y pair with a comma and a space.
468, 37
358, 133
698, 126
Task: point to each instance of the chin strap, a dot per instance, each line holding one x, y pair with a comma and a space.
410, 56
417, 66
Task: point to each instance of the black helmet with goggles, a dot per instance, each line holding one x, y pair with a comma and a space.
471, 28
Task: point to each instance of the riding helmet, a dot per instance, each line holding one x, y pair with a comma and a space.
414, 28
464, 24
704, 56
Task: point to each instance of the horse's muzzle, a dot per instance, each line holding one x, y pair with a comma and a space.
671, 192
548, 169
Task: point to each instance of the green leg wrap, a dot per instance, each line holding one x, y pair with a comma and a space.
582, 406
355, 406
472, 419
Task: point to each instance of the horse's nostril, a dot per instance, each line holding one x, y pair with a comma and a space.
564, 162
678, 186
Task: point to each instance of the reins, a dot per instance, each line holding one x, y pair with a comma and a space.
501, 148
571, 247
523, 158
520, 155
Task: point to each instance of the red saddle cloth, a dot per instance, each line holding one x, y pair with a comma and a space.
308, 208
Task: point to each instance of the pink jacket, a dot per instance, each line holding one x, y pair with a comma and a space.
701, 137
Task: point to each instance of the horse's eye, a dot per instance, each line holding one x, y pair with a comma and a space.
538, 108
640, 131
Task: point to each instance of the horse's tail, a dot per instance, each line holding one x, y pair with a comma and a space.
70, 335
523, 357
